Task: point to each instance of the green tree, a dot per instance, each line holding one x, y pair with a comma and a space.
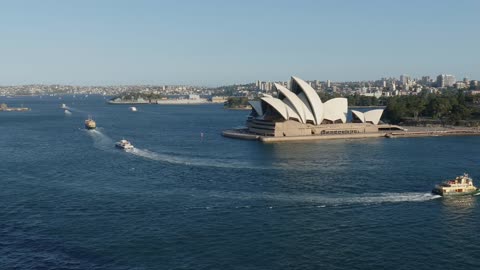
415, 105
396, 110
459, 112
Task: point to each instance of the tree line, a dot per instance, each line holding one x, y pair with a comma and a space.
448, 107
236, 102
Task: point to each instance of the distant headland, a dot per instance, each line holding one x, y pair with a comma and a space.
151, 98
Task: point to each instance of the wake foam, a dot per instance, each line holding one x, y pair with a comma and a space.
103, 142
100, 140
203, 162
366, 199
158, 157
71, 109
325, 201
387, 198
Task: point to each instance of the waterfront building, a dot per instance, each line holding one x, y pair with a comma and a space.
299, 111
219, 99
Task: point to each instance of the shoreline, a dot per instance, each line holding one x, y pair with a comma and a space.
172, 102
244, 135
238, 109
359, 107
15, 110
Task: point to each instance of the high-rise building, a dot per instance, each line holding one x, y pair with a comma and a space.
445, 80
329, 83
268, 87
426, 80
405, 79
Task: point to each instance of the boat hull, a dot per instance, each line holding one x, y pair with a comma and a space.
453, 194
123, 147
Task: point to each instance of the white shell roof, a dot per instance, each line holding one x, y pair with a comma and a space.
369, 116
359, 115
283, 109
305, 105
297, 104
336, 109
315, 103
257, 106
373, 116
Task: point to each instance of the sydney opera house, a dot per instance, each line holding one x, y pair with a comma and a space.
299, 111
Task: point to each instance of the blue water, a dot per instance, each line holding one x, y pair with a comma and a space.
69, 200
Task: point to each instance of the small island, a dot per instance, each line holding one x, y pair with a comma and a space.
237, 103
4, 108
136, 98
151, 98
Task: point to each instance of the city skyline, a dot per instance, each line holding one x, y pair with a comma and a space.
215, 43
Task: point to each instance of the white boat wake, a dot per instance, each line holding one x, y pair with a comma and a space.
103, 142
203, 162
100, 140
71, 109
325, 201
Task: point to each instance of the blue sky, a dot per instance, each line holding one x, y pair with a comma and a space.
222, 42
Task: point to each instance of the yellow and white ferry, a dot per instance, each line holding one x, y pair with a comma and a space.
90, 124
462, 185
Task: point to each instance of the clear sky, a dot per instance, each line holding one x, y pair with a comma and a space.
209, 42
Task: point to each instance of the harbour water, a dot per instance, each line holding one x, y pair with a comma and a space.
188, 198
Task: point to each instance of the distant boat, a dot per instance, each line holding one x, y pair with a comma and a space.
67, 112
133, 109
90, 124
63, 106
124, 144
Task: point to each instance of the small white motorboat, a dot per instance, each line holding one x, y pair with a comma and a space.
124, 144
